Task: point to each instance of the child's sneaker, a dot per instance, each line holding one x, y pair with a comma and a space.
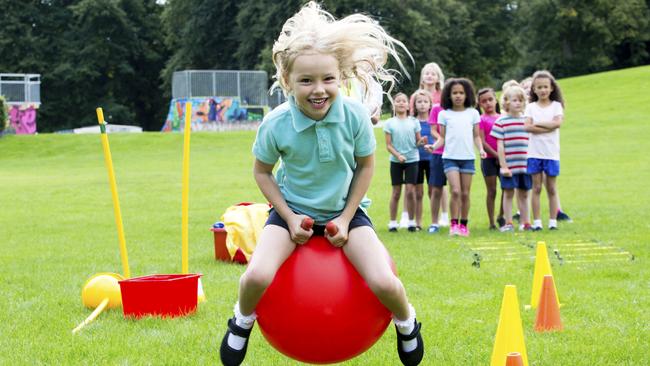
525, 227
463, 230
412, 229
404, 221
433, 229
444, 220
392, 226
453, 229
414, 357
230, 356
536, 228
501, 221
517, 216
507, 228
562, 216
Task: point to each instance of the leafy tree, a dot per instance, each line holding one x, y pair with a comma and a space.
572, 37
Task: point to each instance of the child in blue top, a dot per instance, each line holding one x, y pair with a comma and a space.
423, 103
402, 140
459, 127
326, 146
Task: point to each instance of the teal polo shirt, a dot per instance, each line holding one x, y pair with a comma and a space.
317, 157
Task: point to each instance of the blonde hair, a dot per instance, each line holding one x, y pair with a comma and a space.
422, 93
510, 93
505, 86
359, 44
435, 68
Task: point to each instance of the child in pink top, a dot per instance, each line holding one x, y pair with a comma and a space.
489, 106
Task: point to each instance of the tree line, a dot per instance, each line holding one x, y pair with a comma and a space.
120, 54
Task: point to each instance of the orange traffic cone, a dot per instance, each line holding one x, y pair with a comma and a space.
548, 311
514, 359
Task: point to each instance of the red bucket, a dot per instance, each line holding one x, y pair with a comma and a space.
160, 295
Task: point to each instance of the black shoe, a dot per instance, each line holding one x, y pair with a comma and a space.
493, 228
414, 357
412, 229
562, 216
516, 216
501, 221
229, 355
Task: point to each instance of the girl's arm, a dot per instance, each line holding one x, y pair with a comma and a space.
501, 153
552, 125
478, 143
263, 174
358, 188
419, 140
534, 128
486, 146
392, 150
440, 138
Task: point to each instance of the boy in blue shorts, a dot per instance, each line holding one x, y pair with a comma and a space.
512, 148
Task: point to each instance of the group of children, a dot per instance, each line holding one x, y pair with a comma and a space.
518, 141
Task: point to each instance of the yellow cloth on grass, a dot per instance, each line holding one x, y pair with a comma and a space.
244, 225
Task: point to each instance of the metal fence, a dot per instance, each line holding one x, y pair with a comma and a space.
251, 87
21, 88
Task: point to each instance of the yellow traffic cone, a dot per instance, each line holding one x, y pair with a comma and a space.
510, 334
542, 268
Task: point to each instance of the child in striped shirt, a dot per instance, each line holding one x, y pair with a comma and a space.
512, 149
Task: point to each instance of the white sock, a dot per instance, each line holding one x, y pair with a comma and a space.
405, 215
552, 223
537, 223
412, 223
406, 327
392, 224
244, 321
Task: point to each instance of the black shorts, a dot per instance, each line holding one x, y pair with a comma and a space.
403, 173
360, 219
424, 171
490, 167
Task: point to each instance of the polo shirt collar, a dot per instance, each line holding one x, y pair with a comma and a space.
301, 122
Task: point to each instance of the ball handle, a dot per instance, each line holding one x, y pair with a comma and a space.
307, 223
331, 228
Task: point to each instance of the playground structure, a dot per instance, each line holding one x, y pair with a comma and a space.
221, 99
22, 93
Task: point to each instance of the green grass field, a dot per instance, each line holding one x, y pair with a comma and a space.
57, 229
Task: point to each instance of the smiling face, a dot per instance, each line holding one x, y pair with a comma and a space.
458, 96
488, 102
314, 83
542, 88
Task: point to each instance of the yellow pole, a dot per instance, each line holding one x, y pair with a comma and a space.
116, 201
92, 316
186, 185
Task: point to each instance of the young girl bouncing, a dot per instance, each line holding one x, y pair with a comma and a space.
326, 146
459, 127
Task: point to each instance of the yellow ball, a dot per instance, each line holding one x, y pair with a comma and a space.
101, 286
